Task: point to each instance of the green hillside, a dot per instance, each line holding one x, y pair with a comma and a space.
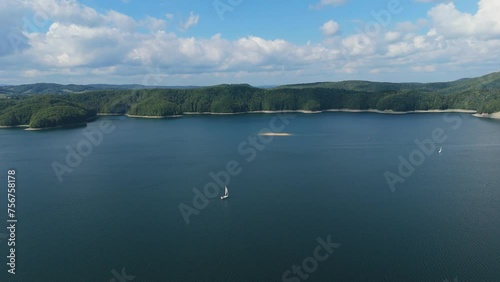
42, 111
47, 110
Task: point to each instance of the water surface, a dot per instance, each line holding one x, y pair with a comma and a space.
120, 207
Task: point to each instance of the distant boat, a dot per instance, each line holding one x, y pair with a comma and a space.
440, 150
226, 194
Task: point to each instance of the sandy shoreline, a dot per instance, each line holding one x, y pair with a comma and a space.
210, 113
105, 114
492, 116
473, 112
390, 112
82, 124
403, 112
14, 126
254, 112
340, 110
447, 111
153, 117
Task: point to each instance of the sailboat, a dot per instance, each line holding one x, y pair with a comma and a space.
226, 194
440, 150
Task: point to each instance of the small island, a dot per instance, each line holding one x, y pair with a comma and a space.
38, 110
280, 134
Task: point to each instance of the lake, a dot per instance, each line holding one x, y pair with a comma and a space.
345, 197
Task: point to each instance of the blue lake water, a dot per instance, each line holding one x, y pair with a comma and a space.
118, 210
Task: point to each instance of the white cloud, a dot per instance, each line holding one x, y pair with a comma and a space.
107, 47
154, 24
330, 28
449, 21
392, 36
191, 21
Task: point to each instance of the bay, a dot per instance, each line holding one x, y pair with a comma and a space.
118, 210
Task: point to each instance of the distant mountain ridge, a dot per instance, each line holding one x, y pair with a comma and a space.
487, 81
491, 81
54, 88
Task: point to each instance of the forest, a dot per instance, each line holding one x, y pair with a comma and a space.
38, 109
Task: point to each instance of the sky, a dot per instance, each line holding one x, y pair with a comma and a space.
194, 42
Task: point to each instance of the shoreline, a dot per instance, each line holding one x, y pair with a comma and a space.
153, 117
490, 116
474, 113
73, 125
14, 126
110, 114
391, 112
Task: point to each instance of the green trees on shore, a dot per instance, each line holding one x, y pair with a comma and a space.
59, 116
42, 110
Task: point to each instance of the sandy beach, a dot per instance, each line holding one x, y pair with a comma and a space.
492, 116
255, 112
285, 111
366, 111
82, 124
340, 110
447, 111
105, 114
403, 112
14, 126
210, 113
154, 117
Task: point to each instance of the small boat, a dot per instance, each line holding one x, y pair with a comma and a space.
440, 150
226, 194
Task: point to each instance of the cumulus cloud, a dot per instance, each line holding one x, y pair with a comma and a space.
330, 28
449, 21
110, 47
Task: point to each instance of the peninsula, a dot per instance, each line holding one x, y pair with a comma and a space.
54, 106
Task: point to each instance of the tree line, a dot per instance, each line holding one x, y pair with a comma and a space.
45, 110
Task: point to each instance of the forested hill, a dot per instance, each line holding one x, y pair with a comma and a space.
52, 88
48, 110
490, 81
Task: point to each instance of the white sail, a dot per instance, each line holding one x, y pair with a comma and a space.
226, 193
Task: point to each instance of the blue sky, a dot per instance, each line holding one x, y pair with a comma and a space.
260, 42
